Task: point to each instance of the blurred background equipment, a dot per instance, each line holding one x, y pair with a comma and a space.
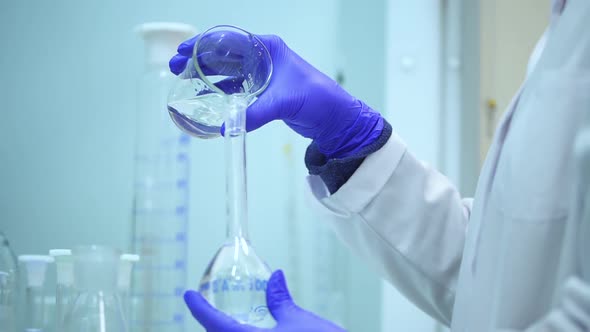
34, 268
161, 190
8, 285
97, 305
64, 290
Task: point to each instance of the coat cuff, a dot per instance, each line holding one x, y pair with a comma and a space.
336, 172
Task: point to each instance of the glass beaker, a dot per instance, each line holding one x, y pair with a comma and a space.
96, 306
226, 61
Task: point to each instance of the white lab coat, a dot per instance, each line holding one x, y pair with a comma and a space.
493, 263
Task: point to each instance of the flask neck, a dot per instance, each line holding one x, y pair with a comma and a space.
236, 191
235, 165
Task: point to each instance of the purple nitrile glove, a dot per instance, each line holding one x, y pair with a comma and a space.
307, 100
289, 317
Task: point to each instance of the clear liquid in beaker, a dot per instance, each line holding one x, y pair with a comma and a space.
201, 116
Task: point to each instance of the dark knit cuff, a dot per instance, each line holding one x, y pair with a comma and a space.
335, 172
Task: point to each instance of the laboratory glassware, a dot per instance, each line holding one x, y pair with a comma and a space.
229, 68
236, 278
7, 303
96, 306
64, 291
226, 60
126, 263
34, 268
161, 190
8, 285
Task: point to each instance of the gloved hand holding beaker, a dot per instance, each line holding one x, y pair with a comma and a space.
289, 316
307, 100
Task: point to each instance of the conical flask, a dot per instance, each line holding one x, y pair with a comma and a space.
96, 306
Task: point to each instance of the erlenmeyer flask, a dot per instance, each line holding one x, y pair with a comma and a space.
96, 306
229, 68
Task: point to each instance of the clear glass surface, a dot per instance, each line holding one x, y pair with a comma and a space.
34, 308
64, 297
226, 61
7, 303
228, 69
235, 283
235, 280
8, 287
161, 210
96, 306
34, 269
64, 290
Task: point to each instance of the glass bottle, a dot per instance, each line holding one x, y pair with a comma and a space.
35, 268
64, 291
96, 306
8, 285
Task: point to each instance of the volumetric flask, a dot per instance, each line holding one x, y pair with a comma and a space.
236, 278
226, 61
228, 69
96, 306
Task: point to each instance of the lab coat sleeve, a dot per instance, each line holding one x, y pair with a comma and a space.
406, 220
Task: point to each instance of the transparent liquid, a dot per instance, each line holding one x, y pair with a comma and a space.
235, 282
201, 116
